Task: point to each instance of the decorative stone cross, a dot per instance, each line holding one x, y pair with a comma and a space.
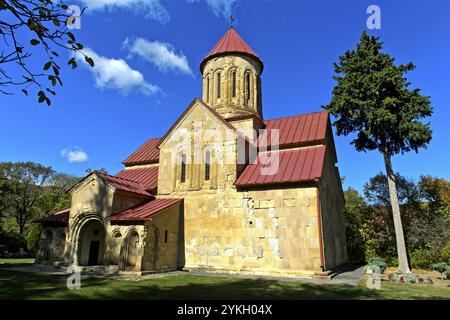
374, 277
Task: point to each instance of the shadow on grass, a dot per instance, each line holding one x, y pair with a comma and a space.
21, 285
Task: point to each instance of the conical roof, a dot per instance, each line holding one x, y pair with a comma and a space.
231, 42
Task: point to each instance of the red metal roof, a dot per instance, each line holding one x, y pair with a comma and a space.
144, 211
297, 165
147, 177
60, 218
303, 129
231, 42
147, 153
124, 184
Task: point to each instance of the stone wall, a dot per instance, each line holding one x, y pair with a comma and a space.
163, 240
332, 211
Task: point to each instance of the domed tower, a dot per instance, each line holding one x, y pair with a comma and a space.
231, 77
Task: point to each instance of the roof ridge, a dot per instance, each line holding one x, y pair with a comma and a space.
297, 115
120, 178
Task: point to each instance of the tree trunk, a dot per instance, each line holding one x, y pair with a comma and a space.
403, 266
21, 229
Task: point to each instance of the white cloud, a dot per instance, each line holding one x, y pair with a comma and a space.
75, 155
160, 54
116, 74
222, 8
151, 9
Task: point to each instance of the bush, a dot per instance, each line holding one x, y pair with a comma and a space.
442, 268
379, 262
33, 236
447, 273
422, 259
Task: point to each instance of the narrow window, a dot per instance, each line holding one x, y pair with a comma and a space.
165, 236
207, 89
218, 86
247, 88
233, 86
207, 166
183, 168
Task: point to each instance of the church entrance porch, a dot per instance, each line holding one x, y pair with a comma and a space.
91, 244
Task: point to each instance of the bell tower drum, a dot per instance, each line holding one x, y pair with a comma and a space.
231, 77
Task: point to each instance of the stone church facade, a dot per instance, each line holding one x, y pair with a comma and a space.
224, 190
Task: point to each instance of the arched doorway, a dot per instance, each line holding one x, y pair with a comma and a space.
60, 244
130, 252
91, 243
49, 245
116, 242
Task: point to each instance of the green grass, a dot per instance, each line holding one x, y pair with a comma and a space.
16, 261
27, 285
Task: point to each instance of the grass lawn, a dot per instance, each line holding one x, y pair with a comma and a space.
16, 261
27, 285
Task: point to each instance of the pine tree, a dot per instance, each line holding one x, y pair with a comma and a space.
372, 99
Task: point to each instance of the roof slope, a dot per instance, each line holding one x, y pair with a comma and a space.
147, 177
296, 165
144, 211
124, 184
60, 218
231, 42
145, 154
303, 129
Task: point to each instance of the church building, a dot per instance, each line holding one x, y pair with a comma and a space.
224, 190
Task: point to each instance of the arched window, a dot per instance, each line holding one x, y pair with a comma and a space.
207, 89
233, 84
49, 235
183, 168
207, 166
218, 86
247, 88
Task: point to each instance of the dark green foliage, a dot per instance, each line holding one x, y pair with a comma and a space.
355, 211
442, 268
379, 262
33, 236
29, 191
372, 99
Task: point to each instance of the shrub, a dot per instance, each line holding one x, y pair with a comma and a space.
379, 262
421, 258
33, 236
442, 268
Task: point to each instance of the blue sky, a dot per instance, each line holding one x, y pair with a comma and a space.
98, 119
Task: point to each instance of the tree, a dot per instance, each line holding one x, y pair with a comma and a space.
45, 22
355, 210
372, 99
25, 181
4, 192
101, 170
436, 191
55, 196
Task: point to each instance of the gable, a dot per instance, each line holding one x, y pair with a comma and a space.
197, 111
